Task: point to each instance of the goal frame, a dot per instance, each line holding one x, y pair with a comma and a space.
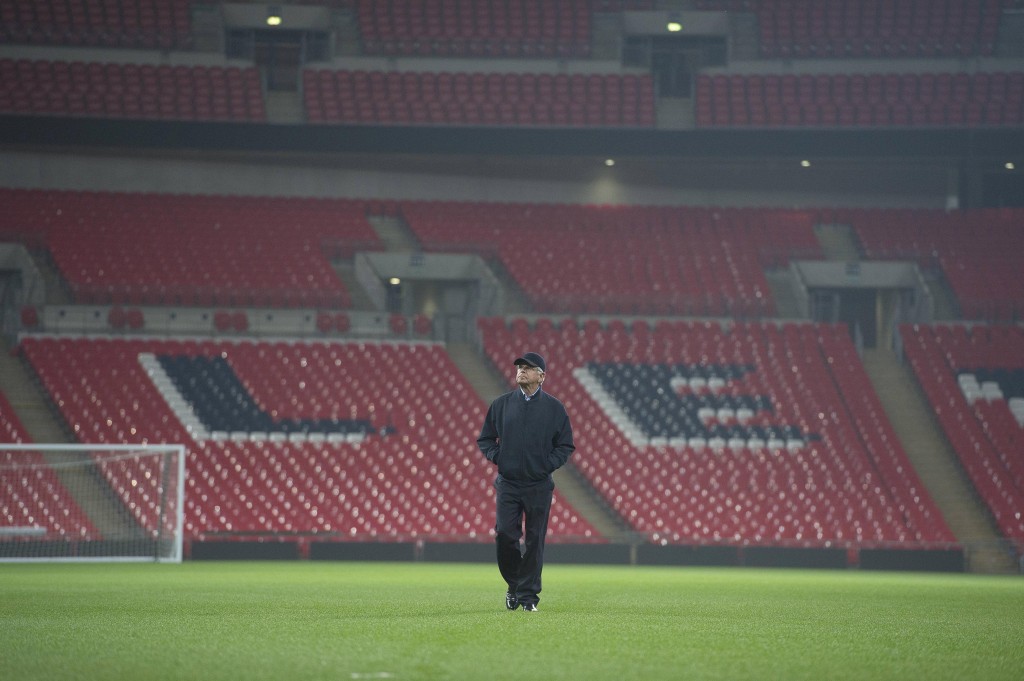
176, 552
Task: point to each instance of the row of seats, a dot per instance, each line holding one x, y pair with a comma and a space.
427, 98
626, 260
877, 28
974, 249
491, 28
141, 24
872, 28
165, 249
421, 98
829, 100
848, 480
536, 28
421, 476
984, 432
131, 90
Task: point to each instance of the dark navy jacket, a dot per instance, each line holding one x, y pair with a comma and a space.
526, 439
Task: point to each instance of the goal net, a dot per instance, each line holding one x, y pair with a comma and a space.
91, 502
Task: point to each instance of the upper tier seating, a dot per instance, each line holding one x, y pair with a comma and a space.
136, 91
729, 468
978, 251
146, 24
626, 260
418, 473
485, 28
507, 99
32, 498
861, 100
974, 379
872, 28
164, 249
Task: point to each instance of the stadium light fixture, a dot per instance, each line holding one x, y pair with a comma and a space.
609, 162
805, 163
394, 281
273, 16
1010, 165
673, 26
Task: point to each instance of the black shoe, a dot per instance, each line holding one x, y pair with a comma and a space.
511, 602
529, 607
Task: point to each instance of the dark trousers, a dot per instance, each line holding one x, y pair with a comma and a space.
521, 569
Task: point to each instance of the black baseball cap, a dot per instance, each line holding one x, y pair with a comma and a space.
531, 359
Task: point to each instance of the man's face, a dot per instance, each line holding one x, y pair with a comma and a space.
528, 378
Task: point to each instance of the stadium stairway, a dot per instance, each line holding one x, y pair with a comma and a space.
943, 300
744, 43
837, 242
936, 462
30, 405
284, 107
394, 233
28, 400
569, 482
360, 298
786, 303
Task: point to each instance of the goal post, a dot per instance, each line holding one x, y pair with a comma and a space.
98, 502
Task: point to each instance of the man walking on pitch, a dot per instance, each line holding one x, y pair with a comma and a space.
527, 434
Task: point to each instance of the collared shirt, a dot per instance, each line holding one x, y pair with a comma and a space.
531, 396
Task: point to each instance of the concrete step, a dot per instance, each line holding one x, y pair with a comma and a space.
935, 461
945, 307
395, 234
284, 106
787, 305
837, 242
744, 38
28, 400
361, 301
675, 113
345, 27
32, 407
606, 36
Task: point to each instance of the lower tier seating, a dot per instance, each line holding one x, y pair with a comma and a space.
34, 505
313, 469
974, 379
767, 434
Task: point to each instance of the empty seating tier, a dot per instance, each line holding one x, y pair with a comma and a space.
135, 91
766, 434
625, 260
486, 28
876, 28
419, 473
974, 379
162, 249
861, 100
976, 250
144, 24
502, 99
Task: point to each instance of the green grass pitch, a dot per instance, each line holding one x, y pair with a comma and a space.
338, 620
